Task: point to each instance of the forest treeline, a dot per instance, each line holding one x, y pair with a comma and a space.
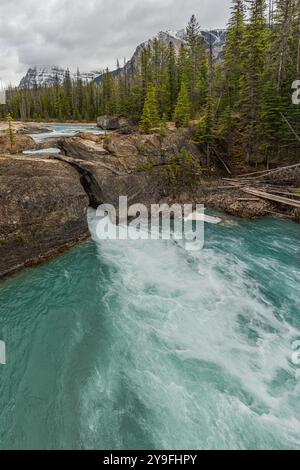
240, 105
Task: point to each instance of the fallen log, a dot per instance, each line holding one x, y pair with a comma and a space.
248, 199
272, 197
265, 172
285, 193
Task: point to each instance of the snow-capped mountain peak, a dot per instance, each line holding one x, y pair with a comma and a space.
180, 34
49, 75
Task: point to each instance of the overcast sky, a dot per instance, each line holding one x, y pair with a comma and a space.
90, 34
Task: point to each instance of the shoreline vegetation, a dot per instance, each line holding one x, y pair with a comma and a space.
181, 126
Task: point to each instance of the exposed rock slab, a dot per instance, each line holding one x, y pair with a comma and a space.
112, 123
42, 210
25, 127
21, 142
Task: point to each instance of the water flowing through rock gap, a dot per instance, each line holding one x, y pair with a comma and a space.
122, 344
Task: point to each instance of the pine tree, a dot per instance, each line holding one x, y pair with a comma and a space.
10, 131
182, 112
146, 71
172, 84
150, 117
205, 133
254, 59
278, 76
197, 65
79, 90
284, 15
67, 97
233, 56
183, 65
297, 34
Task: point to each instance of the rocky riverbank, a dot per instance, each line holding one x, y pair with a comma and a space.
42, 210
44, 200
25, 127
21, 142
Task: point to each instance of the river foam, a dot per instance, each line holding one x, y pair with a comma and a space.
142, 344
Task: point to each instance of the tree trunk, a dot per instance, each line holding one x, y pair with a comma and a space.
298, 55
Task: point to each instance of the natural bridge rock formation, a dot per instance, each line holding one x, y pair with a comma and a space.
131, 165
44, 201
125, 165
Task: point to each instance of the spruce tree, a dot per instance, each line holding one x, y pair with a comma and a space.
67, 96
10, 131
252, 84
205, 133
172, 83
150, 116
233, 56
182, 112
284, 15
279, 72
197, 65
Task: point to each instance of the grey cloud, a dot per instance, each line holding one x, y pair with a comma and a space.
90, 34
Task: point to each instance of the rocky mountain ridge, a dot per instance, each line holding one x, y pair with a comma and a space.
214, 38
49, 75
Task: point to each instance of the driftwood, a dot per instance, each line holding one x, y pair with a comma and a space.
250, 183
266, 188
280, 215
265, 172
285, 193
272, 197
248, 199
214, 188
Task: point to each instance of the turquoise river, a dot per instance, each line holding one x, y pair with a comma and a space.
144, 345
